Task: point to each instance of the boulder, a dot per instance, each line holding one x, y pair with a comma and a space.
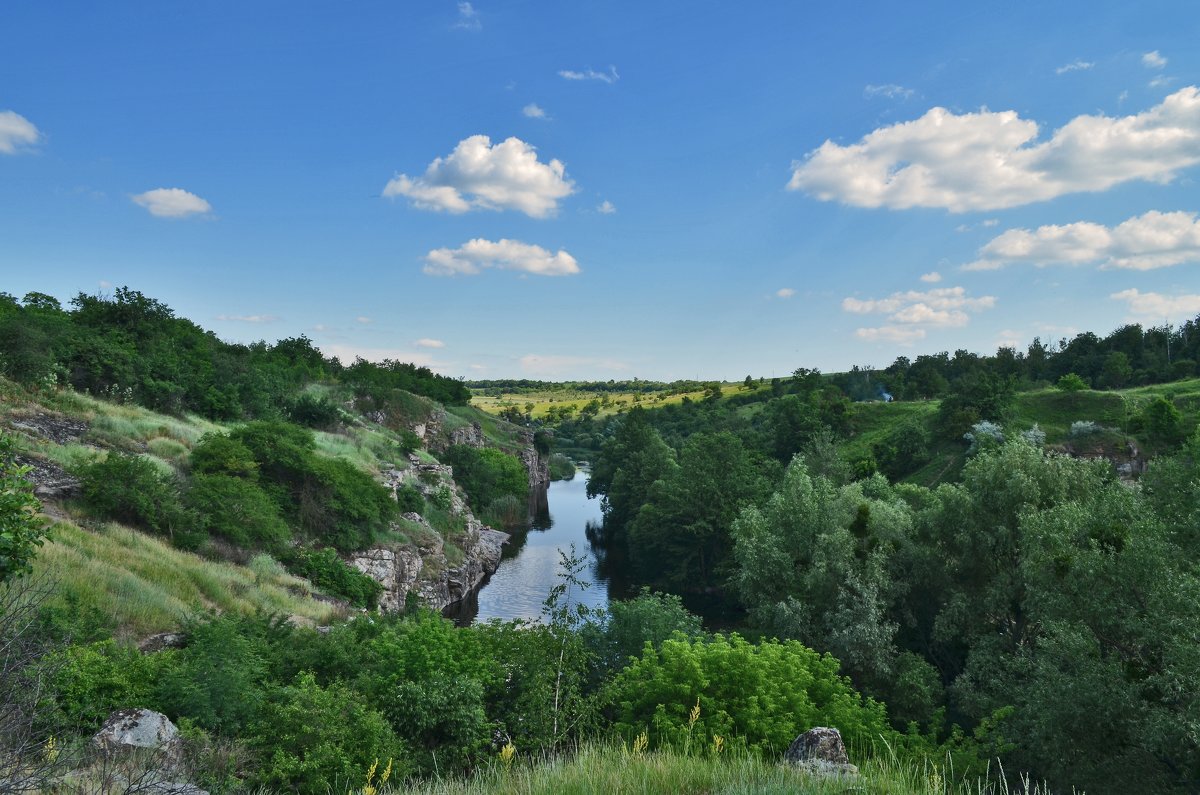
138, 728
820, 751
162, 641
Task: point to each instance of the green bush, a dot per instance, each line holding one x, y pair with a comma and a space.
20, 527
238, 510
758, 695
409, 499
561, 467
505, 511
87, 682
632, 623
314, 412
131, 489
330, 573
314, 740
486, 474
218, 454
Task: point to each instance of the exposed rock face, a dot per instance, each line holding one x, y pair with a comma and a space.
536, 464
162, 641
129, 729
469, 435
821, 751
52, 427
50, 481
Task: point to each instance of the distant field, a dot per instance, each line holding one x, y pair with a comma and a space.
550, 400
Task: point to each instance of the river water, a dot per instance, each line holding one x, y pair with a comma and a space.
532, 563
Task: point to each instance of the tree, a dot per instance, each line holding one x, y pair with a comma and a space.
21, 528
628, 465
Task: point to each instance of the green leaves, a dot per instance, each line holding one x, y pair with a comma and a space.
21, 528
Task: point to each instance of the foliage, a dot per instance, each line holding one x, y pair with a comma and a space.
486, 474
21, 529
314, 412
87, 682
314, 739
331, 574
1071, 383
561, 467
757, 695
374, 381
623, 632
409, 499
238, 510
1162, 421
132, 489
903, 450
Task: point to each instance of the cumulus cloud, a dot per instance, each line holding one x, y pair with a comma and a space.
16, 133
1153, 60
911, 312
933, 277
606, 207
1154, 307
249, 318
891, 91
172, 203
536, 364
1074, 66
609, 77
785, 292
898, 334
468, 18
532, 111
363, 319
477, 175
426, 342
992, 160
476, 255
1144, 242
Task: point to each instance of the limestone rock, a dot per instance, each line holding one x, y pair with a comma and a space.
138, 728
50, 481
820, 751
161, 641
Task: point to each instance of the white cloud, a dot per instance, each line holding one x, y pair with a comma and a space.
1153, 60
1161, 81
897, 334
532, 111
16, 132
468, 17
1075, 66
606, 207
475, 255
933, 277
1155, 307
477, 367
785, 292
536, 364
105, 284
477, 175
249, 318
991, 160
891, 91
426, 342
363, 319
989, 222
912, 312
609, 77
1144, 242
172, 203
940, 298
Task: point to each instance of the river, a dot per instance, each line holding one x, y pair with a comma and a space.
531, 562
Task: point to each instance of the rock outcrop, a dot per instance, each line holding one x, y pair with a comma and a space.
536, 464
820, 751
138, 728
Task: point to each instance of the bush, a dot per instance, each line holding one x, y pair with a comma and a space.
1084, 428
314, 412
237, 510
409, 499
87, 682
21, 529
314, 740
506, 511
757, 695
330, 573
632, 623
1071, 383
218, 454
486, 474
219, 680
131, 489
561, 467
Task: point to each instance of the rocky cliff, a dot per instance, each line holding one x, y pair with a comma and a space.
423, 568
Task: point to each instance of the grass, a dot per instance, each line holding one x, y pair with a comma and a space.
609, 769
618, 402
147, 586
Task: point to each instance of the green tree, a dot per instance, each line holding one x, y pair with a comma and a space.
628, 465
21, 527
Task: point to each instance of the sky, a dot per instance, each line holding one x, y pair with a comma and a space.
609, 190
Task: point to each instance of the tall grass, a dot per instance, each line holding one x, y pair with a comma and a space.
609, 769
147, 586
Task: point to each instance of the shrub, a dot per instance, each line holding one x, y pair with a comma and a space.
87, 682
218, 680
218, 454
984, 436
1162, 421
632, 623
314, 740
330, 573
409, 499
1083, 428
758, 695
505, 511
131, 489
21, 529
238, 510
314, 412
486, 474
561, 467
1071, 383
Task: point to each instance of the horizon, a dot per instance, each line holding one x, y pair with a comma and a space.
603, 192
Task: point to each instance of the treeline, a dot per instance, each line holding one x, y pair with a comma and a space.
133, 348
1026, 605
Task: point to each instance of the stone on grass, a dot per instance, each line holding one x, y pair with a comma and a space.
821, 752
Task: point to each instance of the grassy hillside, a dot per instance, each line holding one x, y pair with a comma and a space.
546, 401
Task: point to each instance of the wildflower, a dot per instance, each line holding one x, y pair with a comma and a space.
718, 744
507, 753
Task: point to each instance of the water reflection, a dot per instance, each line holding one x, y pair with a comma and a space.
531, 563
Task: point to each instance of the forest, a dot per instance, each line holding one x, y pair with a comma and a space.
960, 576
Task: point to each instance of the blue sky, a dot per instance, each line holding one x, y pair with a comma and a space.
610, 190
